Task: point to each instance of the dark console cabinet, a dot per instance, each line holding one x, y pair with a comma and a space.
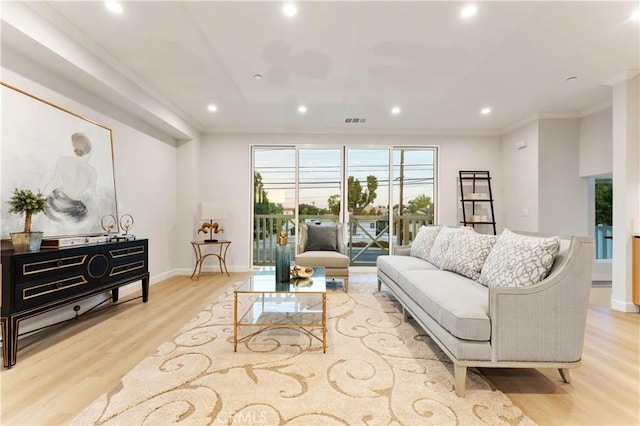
38, 282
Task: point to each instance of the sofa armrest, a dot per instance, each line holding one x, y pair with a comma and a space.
402, 250
545, 321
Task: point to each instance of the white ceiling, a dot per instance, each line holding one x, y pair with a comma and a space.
358, 59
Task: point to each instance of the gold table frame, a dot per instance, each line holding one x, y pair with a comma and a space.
221, 255
263, 284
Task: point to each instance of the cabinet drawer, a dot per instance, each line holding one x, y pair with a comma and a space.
123, 268
27, 270
127, 260
38, 293
137, 250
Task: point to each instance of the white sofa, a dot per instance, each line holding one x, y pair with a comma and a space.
497, 323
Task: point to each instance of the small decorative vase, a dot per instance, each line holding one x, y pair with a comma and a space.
282, 286
26, 241
283, 259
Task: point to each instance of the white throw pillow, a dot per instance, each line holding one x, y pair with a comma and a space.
421, 245
467, 253
519, 260
442, 242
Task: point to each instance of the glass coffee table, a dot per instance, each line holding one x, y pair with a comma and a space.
260, 302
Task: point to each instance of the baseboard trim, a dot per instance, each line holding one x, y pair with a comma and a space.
622, 306
601, 277
185, 271
161, 277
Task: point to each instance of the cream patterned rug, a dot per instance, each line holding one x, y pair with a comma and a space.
377, 371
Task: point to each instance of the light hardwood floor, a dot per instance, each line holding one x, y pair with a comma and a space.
64, 369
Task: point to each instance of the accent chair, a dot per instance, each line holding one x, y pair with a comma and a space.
324, 245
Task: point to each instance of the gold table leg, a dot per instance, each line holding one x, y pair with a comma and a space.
196, 249
324, 322
235, 322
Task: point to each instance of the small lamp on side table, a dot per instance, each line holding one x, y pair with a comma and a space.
211, 212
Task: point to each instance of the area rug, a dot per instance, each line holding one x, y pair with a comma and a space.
377, 370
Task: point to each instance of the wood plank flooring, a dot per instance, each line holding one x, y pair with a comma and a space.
64, 369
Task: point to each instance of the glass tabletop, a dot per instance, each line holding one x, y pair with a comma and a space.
264, 281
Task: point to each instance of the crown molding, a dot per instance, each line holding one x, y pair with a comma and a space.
623, 76
521, 123
596, 108
556, 115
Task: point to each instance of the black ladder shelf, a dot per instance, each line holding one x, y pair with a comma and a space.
473, 200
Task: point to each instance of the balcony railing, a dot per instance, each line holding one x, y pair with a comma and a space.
368, 235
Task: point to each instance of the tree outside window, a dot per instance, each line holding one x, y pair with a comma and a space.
604, 217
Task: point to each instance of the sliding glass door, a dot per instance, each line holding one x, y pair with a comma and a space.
414, 171
368, 204
274, 199
319, 184
384, 193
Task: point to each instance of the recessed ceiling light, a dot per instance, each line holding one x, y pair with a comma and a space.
290, 10
485, 111
302, 109
114, 7
395, 110
212, 107
468, 11
257, 76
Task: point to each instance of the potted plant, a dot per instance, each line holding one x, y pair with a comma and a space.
27, 202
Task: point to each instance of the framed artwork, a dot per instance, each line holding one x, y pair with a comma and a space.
66, 157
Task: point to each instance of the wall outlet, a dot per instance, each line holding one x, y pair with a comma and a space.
524, 212
521, 144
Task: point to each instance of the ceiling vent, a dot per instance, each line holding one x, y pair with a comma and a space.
355, 120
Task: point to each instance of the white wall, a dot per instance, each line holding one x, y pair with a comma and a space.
520, 166
626, 188
563, 197
596, 153
189, 182
543, 191
549, 166
146, 185
226, 173
596, 160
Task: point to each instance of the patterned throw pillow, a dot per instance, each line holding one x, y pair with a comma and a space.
519, 260
421, 245
467, 253
441, 244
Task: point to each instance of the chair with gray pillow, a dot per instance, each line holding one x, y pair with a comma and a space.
324, 245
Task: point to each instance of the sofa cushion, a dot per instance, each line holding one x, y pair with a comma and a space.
519, 260
321, 238
467, 253
458, 304
392, 265
328, 259
442, 242
422, 243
